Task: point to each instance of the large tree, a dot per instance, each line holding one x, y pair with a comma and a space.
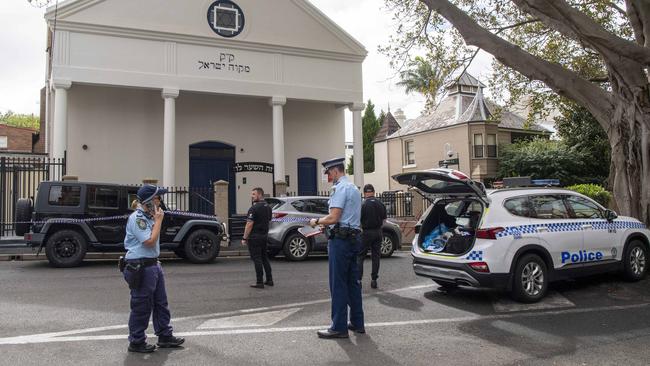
595, 53
426, 78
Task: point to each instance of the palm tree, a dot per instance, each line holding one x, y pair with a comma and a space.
424, 78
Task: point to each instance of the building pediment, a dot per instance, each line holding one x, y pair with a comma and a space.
290, 24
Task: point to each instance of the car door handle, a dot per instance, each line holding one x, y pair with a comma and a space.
587, 226
542, 229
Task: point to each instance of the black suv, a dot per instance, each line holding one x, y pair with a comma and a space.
71, 218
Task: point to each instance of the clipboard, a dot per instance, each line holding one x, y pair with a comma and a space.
307, 231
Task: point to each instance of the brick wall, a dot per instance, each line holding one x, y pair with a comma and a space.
18, 139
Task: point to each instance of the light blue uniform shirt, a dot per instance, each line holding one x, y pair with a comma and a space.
138, 229
347, 197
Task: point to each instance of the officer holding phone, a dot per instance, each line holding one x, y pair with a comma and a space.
143, 273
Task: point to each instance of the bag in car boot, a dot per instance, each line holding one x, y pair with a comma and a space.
459, 244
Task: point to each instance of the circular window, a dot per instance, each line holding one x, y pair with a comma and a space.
225, 18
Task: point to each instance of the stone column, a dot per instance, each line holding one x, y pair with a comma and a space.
357, 136
60, 123
278, 138
169, 137
280, 188
221, 209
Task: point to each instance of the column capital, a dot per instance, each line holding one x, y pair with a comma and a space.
277, 100
61, 83
170, 92
354, 107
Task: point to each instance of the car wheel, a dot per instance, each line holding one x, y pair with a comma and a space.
66, 248
530, 279
447, 286
388, 245
202, 246
296, 247
23, 216
635, 261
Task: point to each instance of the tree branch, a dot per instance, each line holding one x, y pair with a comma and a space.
515, 25
639, 14
562, 81
575, 24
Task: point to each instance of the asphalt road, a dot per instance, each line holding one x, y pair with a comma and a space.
77, 316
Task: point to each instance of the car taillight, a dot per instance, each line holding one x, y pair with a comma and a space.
489, 233
459, 175
480, 267
279, 215
28, 237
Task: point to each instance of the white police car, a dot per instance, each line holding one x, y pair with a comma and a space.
518, 239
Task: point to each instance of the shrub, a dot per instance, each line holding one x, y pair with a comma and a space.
593, 191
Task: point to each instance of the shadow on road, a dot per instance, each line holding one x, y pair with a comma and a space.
364, 352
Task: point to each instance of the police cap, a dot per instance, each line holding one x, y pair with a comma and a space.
332, 163
148, 191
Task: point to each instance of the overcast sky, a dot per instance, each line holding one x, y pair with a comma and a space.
22, 64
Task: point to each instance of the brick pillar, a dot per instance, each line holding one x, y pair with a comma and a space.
221, 209
417, 206
281, 188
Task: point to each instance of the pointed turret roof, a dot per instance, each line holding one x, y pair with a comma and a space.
388, 127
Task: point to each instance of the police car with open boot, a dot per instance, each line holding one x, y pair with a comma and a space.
518, 239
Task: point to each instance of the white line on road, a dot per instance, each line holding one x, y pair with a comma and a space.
36, 339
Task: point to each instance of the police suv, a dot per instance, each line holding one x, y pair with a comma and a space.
518, 239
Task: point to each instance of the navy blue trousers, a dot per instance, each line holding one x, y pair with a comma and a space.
150, 298
345, 286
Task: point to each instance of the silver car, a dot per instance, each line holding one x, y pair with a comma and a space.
292, 213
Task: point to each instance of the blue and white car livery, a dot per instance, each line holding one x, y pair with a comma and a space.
518, 239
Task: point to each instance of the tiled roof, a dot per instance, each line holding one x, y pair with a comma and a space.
388, 126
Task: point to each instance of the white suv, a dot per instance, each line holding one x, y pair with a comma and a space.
518, 239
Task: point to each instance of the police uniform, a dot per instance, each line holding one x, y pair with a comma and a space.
343, 249
260, 215
373, 214
145, 277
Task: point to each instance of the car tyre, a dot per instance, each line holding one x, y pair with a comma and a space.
530, 282
23, 216
635, 261
66, 248
202, 246
388, 245
296, 247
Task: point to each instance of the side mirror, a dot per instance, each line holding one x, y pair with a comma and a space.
610, 215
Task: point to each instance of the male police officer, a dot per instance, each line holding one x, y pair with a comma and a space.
373, 214
143, 273
343, 248
255, 236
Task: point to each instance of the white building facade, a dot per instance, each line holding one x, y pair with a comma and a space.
185, 91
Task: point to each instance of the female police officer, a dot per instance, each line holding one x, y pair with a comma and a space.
143, 273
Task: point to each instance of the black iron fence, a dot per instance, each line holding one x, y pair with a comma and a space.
19, 178
398, 203
192, 199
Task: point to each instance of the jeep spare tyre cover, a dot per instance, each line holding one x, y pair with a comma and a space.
442, 182
23, 216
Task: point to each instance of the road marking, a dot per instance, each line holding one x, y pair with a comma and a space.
204, 316
250, 320
552, 301
39, 339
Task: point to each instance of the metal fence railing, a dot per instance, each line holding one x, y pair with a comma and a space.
398, 204
191, 199
19, 178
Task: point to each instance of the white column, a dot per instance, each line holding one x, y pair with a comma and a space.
60, 123
278, 138
169, 137
357, 136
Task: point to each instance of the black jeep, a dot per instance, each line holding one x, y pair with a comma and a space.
71, 218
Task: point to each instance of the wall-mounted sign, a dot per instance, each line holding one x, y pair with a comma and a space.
225, 18
253, 167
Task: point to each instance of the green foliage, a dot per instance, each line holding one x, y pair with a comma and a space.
350, 168
370, 127
579, 129
543, 159
20, 120
425, 78
593, 191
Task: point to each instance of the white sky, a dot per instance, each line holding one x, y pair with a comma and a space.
22, 62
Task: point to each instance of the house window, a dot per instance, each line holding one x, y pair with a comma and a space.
491, 146
3, 142
469, 89
478, 145
409, 153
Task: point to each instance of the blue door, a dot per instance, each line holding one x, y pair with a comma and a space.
210, 162
307, 177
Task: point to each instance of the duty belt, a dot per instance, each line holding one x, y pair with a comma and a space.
145, 262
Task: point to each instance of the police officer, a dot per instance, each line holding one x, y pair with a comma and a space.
344, 246
255, 236
143, 273
373, 214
